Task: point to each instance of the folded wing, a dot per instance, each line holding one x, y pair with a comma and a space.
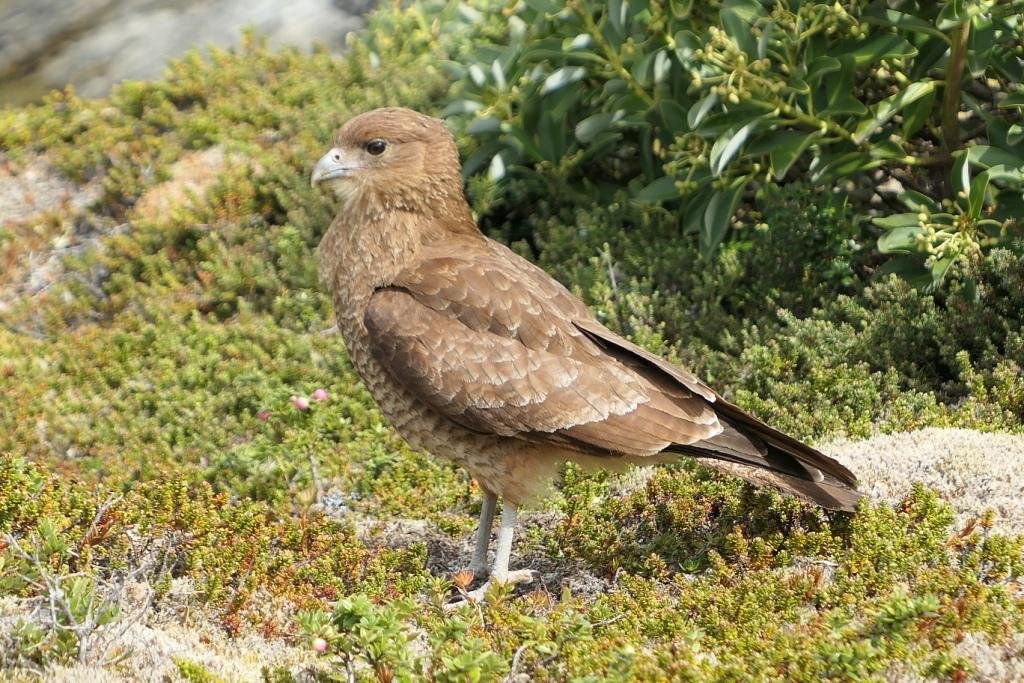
496, 345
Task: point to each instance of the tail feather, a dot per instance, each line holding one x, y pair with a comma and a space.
794, 468
833, 496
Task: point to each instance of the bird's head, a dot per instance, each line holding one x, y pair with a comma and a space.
392, 159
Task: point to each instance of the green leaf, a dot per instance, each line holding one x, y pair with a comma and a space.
543, 6
843, 165
957, 13
798, 85
916, 114
747, 10
939, 269
821, 66
976, 197
986, 157
840, 91
718, 215
687, 43
981, 43
1015, 99
764, 40
662, 66
551, 137
477, 75
488, 124
700, 109
737, 28
915, 201
525, 143
910, 268
578, 42
672, 115
881, 16
461, 107
616, 12
562, 77
588, 128
900, 240
887, 108
1014, 134
643, 67
960, 173
789, 145
681, 8
877, 47
727, 146
475, 161
897, 220
1003, 175
693, 212
496, 171
887, 149
736, 116
928, 56
661, 190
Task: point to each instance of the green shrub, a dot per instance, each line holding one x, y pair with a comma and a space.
699, 105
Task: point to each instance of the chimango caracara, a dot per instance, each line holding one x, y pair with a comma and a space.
477, 355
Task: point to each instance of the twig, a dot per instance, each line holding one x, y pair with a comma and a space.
515, 662
951, 96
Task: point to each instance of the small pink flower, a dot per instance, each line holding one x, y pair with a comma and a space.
320, 645
263, 415
300, 402
320, 395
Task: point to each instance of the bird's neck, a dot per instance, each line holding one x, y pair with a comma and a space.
359, 255
364, 252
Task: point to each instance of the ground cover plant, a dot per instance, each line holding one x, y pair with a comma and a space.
176, 410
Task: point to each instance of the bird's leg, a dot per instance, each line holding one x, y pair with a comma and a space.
499, 570
509, 515
483, 535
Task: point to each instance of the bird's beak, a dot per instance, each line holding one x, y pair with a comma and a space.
331, 165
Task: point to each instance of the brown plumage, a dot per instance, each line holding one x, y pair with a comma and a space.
477, 355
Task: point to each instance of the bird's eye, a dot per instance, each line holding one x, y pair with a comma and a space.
376, 147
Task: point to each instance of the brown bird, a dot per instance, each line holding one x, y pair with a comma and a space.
475, 354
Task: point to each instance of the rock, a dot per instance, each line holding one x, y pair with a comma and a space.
93, 44
41, 222
191, 176
33, 187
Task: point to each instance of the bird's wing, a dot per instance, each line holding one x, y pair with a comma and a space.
497, 345
780, 452
494, 348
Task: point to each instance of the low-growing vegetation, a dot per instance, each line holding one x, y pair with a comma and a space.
176, 410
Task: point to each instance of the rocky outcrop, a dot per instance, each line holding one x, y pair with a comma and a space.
92, 44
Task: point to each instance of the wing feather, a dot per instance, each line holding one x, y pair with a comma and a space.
491, 344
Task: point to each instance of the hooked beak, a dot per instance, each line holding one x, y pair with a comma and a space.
331, 165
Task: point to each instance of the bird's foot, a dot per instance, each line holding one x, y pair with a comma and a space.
516, 578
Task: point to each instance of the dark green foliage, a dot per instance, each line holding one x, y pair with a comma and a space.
697, 104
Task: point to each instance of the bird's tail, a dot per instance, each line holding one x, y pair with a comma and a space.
765, 459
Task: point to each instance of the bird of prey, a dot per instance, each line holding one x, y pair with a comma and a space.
475, 354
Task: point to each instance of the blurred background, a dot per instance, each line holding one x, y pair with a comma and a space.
92, 44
